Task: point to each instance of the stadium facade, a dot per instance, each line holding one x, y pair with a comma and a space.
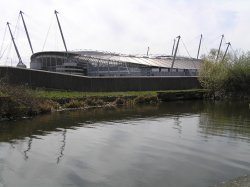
96, 63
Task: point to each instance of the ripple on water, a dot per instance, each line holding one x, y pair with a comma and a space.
174, 145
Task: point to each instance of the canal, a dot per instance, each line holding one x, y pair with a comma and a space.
175, 144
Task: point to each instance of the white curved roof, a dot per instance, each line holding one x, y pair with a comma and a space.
160, 61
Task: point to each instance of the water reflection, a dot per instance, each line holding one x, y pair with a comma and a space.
62, 146
226, 119
214, 118
172, 144
177, 125
28, 148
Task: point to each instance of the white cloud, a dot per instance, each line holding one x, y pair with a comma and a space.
127, 26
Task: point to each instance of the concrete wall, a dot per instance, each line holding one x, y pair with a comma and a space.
43, 79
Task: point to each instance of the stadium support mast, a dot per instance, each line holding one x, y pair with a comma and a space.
222, 36
199, 47
148, 51
176, 49
20, 63
173, 48
228, 44
60, 28
26, 30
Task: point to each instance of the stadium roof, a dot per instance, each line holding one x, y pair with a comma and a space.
152, 61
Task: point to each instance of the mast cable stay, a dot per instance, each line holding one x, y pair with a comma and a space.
224, 56
205, 46
47, 34
234, 52
3, 41
186, 48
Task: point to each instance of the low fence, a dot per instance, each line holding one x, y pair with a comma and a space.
60, 81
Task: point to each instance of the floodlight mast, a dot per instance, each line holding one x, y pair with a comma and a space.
222, 36
14, 43
60, 28
198, 54
176, 49
26, 30
173, 48
228, 44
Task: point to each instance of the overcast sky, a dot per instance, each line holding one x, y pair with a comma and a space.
124, 26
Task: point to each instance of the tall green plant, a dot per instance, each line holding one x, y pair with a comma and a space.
239, 74
213, 75
230, 75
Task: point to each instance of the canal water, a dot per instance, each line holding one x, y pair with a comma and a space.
176, 144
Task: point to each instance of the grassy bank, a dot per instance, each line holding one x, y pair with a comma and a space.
17, 101
72, 94
22, 101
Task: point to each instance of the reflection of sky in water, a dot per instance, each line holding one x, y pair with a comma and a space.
157, 147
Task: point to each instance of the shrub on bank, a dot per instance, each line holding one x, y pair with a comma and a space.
230, 75
19, 100
46, 105
239, 75
146, 100
74, 104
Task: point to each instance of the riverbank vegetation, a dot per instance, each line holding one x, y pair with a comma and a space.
74, 94
226, 78
20, 100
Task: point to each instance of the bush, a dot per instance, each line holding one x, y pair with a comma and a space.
20, 100
230, 75
20, 95
239, 75
213, 75
145, 100
46, 106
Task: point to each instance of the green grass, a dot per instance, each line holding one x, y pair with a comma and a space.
72, 94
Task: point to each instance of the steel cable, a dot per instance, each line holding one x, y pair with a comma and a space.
186, 48
3, 41
52, 20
